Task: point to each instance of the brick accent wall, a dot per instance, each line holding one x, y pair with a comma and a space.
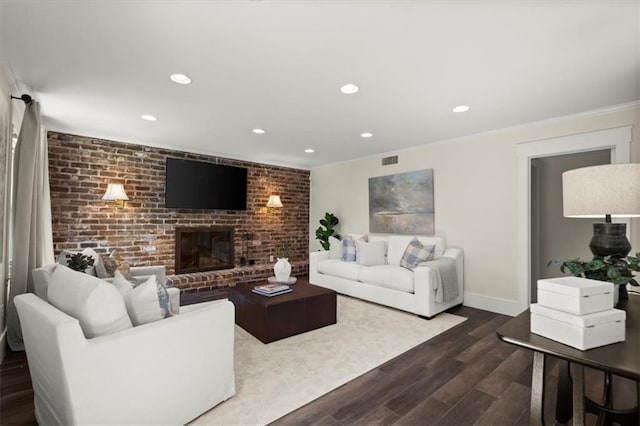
144, 230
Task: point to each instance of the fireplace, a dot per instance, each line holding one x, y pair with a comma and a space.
203, 249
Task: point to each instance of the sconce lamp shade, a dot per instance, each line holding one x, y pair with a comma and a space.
274, 201
598, 191
115, 192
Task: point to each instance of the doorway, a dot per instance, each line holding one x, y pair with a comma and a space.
554, 237
616, 140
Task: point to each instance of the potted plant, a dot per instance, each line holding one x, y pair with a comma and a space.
329, 222
618, 271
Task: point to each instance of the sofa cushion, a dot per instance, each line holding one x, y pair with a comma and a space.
388, 276
147, 302
95, 303
335, 248
398, 244
415, 254
370, 254
338, 268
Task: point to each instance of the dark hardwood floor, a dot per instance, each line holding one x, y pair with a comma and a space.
464, 376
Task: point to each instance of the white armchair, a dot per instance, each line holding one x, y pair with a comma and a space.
165, 372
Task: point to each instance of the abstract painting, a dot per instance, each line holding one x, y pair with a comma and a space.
402, 203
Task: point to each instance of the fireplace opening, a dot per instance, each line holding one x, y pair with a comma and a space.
203, 249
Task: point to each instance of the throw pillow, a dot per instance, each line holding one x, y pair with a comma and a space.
415, 253
348, 250
358, 237
116, 262
147, 302
91, 270
370, 254
96, 304
335, 248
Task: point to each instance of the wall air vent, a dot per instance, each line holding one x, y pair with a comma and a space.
390, 160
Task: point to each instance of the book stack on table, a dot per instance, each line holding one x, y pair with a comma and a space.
577, 312
271, 290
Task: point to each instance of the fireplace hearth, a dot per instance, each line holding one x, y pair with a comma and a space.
203, 249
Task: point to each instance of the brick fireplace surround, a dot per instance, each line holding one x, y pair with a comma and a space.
144, 231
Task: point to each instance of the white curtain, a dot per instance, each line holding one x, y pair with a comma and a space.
32, 234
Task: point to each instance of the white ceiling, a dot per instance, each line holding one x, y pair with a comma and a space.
95, 67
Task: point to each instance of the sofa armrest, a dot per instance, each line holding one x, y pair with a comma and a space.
314, 258
174, 299
424, 276
319, 255
158, 271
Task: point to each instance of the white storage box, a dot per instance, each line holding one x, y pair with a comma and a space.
575, 295
580, 331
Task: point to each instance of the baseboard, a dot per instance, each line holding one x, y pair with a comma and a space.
492, 304
3, 344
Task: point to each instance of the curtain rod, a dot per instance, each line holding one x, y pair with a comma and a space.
24, 98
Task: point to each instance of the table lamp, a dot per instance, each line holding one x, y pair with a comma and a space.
609, 191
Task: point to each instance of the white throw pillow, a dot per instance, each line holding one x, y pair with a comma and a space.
92, 270
335, 248
95, 303
370, 254
147, 302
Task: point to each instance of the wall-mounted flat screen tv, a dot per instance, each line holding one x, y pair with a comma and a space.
206, 186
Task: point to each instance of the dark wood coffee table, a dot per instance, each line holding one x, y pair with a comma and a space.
306, 308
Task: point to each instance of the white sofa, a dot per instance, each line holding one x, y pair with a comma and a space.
390, 284
163, 373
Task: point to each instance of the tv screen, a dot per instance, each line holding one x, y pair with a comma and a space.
207, 186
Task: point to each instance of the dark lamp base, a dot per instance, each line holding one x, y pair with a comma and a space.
609, 239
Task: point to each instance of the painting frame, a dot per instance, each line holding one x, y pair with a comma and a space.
402, 203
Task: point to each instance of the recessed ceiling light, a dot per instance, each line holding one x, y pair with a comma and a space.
259, 131
149, 117
180, 78
309, 150
349, 89
461, 108
366, 135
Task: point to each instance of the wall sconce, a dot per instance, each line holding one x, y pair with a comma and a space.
115, 192
274, 201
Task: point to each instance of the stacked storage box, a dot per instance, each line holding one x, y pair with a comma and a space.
577, 312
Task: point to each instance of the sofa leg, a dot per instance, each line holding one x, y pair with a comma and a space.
423, 317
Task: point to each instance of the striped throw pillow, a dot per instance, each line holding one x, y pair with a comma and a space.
416, 253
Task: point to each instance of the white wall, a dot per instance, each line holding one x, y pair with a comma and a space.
475, 188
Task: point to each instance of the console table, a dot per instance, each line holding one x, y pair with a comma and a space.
622, 359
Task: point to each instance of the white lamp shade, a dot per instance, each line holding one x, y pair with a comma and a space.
611, 189
274, 201
115, 191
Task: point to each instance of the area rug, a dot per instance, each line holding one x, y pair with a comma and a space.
275, 379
